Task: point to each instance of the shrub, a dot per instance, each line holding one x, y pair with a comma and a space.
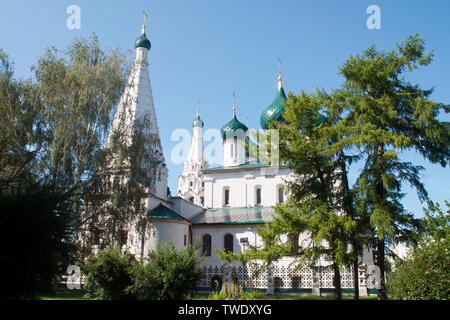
231, 291
109, 275
425, 275
169, 274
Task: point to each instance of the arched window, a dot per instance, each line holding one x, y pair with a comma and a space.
228, 242
190, 184
280, 195
258, 197
116, 183
191, 199
202, 201
292, 238
206, 248
226, 196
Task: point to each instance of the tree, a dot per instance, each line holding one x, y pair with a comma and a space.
35, 215
386, 114
425, 274
52, 136
315, 205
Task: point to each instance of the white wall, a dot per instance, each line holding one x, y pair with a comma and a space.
242, 185
185, 208
218, 233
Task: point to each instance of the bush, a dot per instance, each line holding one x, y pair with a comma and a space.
170, 274
109, 275
231, 291
425, 275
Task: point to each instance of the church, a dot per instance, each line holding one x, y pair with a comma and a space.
222, 207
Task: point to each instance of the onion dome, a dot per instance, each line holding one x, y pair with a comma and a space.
233, 125
274, 112
142, 41
197, 121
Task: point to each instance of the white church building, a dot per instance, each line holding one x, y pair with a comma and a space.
223, 206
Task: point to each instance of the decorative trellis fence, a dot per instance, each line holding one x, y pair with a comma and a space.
285, 277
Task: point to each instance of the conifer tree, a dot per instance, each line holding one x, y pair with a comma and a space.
315, 205
384, 115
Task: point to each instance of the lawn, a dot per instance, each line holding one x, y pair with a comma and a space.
78, 295
64, 295
204, 296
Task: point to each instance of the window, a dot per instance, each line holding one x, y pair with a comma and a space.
226, 197
123, 237
191, 199
96, 235
116, 183
202, 201
203, 184
258, 195
280, 194
185, 240
206, 248
292, 238
228, 242
190, 184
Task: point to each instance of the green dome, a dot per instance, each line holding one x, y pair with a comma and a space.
142, 42
232, 126
197, 122
274, 112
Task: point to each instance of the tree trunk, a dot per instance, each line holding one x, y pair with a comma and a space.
381, 244
349, 211
337, 283
380, 262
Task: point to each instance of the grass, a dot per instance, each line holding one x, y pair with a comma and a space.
64, 295
205, 296
78, 295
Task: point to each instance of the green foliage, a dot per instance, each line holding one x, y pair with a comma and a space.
382, 115
425, 274
314, 200
35, 241
109, 275
35, 213
168, 274
231, 291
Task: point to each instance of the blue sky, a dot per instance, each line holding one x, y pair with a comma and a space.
206, 50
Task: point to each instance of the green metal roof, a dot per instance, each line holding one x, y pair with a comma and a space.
274, 112
242, 166
163, 212
232, 126
229, 215
197, 122
143, 42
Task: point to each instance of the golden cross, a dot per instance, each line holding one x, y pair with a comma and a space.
279, 66
143, 26
234, 105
